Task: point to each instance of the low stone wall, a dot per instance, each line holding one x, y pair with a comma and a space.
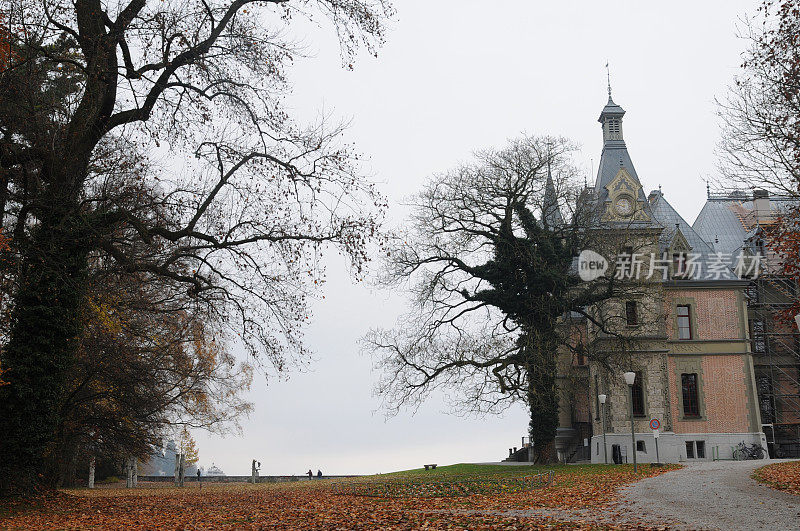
672, 446
236, 479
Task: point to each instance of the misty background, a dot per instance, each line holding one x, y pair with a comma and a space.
455, 76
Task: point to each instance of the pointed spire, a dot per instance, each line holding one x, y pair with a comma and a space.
611, 117
551, 214
615, 155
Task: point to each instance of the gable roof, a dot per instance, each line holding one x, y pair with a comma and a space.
612, 159
666, 216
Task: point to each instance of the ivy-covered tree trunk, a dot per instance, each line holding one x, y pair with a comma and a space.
542, 395
44, 335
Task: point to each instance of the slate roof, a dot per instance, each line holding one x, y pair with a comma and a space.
615, 156
666, 216
611, 108
725, 222
721, 224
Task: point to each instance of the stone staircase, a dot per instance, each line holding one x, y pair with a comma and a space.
520, 456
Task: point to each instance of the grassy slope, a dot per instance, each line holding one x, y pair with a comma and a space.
467, 470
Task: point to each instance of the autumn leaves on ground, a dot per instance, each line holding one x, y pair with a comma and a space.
577, 495
781, 476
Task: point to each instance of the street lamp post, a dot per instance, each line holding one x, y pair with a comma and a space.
602, 399
630, 378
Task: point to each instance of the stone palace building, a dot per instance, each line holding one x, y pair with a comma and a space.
700, 368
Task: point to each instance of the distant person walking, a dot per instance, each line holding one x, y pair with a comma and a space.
319, 474
310, 474
198, 479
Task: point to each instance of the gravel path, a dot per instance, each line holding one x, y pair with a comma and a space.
712, 495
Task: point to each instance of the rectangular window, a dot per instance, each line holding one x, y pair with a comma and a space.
640, 447
690, 449
684, 322
638, 396
691, 404
701, 449
631, 313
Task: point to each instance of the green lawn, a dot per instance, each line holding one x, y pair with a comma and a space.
473, 470
467, 469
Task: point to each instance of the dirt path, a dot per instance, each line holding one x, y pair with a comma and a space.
713, 495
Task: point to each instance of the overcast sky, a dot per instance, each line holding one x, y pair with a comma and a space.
455, 76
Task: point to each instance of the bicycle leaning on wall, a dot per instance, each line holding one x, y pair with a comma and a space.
744, 451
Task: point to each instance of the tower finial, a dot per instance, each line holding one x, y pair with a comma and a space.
608, 75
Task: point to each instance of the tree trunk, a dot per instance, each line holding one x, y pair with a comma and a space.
44, 337
182, 469
129, 482
92, 463
135, 471
177, 470
62, 461
542, 397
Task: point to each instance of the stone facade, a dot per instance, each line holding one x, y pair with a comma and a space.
698, 382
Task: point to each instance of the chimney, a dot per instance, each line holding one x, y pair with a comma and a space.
761, 204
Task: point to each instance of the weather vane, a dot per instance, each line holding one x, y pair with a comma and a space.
608, 74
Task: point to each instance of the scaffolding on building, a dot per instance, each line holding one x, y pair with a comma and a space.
776, 358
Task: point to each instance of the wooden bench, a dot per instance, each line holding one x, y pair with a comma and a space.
430, 467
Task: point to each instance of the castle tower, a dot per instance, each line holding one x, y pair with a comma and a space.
618, 190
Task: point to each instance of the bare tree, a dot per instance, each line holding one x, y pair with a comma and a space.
760, 143
237, 209
489, 257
